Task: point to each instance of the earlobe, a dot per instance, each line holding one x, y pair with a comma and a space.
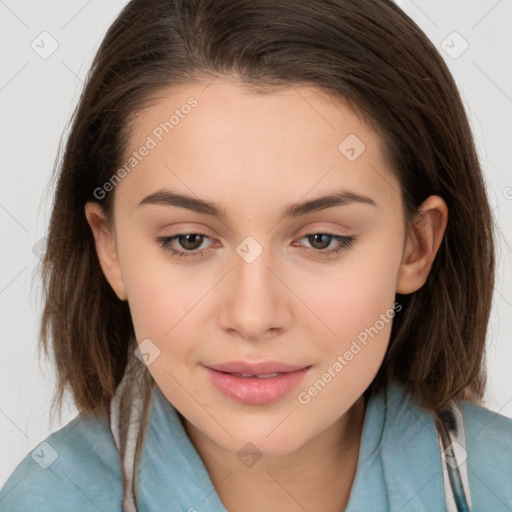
422, 244
105, 248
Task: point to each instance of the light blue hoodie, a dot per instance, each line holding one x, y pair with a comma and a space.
399, 468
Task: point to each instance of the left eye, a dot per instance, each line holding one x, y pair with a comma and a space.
191, 243
325, 239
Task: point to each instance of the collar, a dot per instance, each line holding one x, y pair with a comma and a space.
171, 475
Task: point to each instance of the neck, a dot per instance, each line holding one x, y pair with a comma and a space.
317, 476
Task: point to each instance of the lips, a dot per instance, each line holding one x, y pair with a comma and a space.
255, 383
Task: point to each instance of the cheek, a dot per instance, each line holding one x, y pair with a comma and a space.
352, 295
162, 306
161, 294
356, 301
358, 305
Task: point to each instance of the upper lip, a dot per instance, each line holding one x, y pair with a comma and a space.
258, 368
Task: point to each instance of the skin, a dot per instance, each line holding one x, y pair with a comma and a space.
253, 154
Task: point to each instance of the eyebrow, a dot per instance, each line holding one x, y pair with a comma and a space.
341, 198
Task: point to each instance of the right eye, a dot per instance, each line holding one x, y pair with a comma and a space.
189, 243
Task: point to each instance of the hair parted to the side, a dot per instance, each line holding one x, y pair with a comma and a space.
368, 53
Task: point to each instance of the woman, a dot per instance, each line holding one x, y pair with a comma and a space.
269, 271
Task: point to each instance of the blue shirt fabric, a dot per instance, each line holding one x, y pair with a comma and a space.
399, 470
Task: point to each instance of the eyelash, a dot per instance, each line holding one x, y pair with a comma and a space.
345, 243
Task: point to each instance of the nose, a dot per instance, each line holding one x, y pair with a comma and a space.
257, 305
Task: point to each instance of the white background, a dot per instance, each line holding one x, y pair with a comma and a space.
37, 97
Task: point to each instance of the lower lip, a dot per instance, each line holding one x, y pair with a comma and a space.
254, 391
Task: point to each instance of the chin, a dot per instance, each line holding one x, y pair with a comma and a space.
268, 439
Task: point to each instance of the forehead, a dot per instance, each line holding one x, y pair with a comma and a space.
214, 138
227, 107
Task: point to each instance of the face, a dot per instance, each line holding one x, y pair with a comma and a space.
266, 278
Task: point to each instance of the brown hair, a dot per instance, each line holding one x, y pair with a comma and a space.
368, 53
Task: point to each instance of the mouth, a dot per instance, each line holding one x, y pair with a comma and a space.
249, 375
261, 368
255, 383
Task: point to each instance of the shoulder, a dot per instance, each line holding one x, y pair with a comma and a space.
489, 456
485, 430
410, 431
76, 467
486, 427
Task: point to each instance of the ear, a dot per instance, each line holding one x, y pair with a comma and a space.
105, 247
421, 245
